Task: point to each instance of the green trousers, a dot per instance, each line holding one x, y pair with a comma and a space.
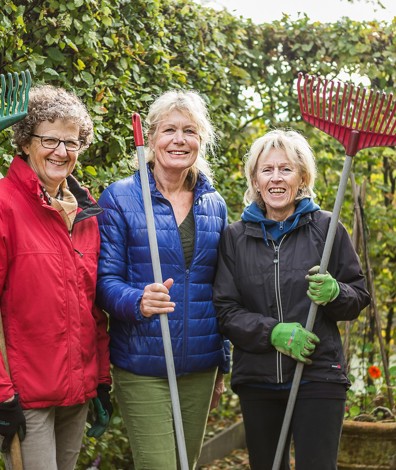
146, 409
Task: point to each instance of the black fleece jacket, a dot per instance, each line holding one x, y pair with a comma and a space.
258, 285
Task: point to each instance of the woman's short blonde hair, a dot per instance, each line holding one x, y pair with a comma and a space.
194, 107
49, 103
299, 153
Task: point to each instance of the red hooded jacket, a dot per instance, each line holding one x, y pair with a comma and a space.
56, 338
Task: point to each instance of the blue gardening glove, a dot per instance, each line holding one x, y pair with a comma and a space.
12, 421
322, 288
103, 409
294, 341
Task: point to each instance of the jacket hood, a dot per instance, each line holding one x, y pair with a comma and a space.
253, 213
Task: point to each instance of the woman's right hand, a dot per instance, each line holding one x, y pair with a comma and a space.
293, 340
156, 299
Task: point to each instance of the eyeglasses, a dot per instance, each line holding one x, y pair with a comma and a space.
53, 143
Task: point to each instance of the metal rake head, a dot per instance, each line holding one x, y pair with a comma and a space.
14, 98
358, 118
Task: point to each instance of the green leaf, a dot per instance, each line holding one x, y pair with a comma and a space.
51, 72
90, 170
55, 54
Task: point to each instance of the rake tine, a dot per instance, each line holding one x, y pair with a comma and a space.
375, 111
26, 90
317, 114
305, 96
312, 101
311, 98
14, 93
20, 99
365, 114
324, 99
394, 123
367, 127
362, 101
381, 138
329, 93
344, 91
373, 135
9, 93
300, 101
3, 92
336, 108
356, 100
375, 126
386, 112
330, 107
319, 104
347, 112
336, 101
348, 109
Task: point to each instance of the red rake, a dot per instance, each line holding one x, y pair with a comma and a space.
342, 110
358, 119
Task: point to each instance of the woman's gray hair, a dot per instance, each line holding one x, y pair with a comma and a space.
191, 104
49, 103
299, 153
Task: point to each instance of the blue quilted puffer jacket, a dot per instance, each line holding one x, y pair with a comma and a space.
125, 269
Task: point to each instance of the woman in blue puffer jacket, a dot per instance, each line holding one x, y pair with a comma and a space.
189, 217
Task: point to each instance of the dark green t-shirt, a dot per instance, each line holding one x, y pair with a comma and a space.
187, 234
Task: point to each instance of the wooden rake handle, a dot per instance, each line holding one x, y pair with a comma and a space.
15, 451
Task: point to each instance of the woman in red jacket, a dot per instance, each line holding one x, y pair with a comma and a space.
56, 338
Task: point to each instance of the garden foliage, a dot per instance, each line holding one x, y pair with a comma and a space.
118, 55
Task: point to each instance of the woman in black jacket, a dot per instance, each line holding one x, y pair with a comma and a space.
267, 276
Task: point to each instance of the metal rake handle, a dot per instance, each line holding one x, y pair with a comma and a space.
14, 98
155, 259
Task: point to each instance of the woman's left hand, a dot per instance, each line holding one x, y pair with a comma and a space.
217, 391
322, 288
156, 299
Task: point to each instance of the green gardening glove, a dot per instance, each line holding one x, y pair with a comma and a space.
103, 409
323, 288
101, 421
294, 341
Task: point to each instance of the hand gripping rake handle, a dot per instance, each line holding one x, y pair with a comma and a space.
14, 98
148, 208
358, 120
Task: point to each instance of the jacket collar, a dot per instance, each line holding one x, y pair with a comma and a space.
277, 230
203, 185
21, 174
254, 229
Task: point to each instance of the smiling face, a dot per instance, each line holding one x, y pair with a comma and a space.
176, 143
278, 181
52, 165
